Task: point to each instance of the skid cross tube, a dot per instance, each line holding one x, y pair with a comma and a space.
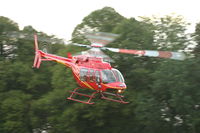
102, 94
81, 94
119, 100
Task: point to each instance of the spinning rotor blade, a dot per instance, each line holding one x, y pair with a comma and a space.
98, 53
81, 45
100, 39
150, 53
94, 52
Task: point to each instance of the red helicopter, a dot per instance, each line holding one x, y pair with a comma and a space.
91, 71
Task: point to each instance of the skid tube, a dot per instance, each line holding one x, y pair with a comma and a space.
92, 96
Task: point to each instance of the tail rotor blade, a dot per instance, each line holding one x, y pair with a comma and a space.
36, 42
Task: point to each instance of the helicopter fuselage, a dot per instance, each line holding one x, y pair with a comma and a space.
94, 73
89, 72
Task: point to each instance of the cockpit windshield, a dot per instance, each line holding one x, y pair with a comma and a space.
118, 75
110, 76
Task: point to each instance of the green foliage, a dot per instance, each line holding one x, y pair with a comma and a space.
136, 36
178, 93
7, 25
197, 39
169, 31
103, 20
20, 84
197, 33
15, 117
7, 44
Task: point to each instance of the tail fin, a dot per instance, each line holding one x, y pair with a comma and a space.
37, 60
36, 42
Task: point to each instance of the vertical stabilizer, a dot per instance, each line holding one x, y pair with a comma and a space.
37, 60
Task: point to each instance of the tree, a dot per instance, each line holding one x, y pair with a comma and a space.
20, 84
103, 20
177, 92
134, 35
7, 45
197, 39
170, 32
15, 115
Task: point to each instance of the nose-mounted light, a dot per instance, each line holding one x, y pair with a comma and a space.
119, 91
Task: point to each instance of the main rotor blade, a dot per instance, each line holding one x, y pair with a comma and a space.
81, 45
150, 53
100, 39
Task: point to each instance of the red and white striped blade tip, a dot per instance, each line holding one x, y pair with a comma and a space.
151, 53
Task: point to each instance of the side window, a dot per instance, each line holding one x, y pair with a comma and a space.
91, 76
83, 74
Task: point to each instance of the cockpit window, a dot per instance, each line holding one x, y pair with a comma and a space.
97, 76
118, 75
110, 76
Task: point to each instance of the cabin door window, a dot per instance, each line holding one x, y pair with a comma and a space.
84, 74
91, 76
97, 77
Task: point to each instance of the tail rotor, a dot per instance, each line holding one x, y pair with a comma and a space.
37, 60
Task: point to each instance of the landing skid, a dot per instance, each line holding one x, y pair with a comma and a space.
119, 100
103, 95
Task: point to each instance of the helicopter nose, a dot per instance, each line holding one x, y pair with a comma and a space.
122, 85
117, 85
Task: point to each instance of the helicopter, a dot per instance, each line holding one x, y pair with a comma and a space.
92, 69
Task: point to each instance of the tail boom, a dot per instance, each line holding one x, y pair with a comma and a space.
42, 56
